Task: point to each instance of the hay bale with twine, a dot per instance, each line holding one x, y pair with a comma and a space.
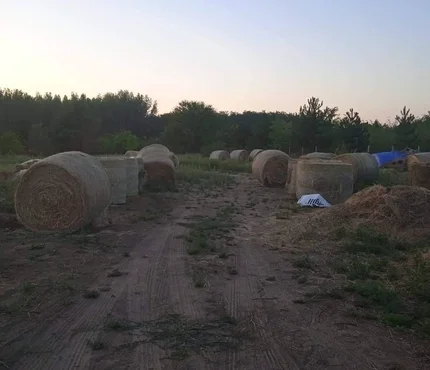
254, 153
63, 192
131, 153
270, 168
291, 179
419, 175
220, 155
131, 176
239, 155
334, 180
364, 166
116, 170
417, 158
318, 155
26, 165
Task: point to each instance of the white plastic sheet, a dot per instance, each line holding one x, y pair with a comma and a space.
313, 200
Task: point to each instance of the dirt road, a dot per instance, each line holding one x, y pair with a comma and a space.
232, 302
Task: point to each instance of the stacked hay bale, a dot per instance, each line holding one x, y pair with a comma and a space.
239, 155
419, 175
131, 153
364, 165
270, 168
63, 192
131, 176
159, 165
220, 155
318, 155
417, 158
291, 179
254, 153
332, 179
159, 148
115, 168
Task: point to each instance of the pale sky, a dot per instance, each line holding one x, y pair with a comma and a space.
373, 56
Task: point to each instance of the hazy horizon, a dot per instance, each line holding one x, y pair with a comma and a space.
372, 57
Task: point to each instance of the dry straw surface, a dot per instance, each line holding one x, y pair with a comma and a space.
318, 155
364, 165
131, 153
63, 192
254, 153
116, 170
270, 168
419, 175
417, 158
330, 178
239, 155
291, 179
221, 155
26, 165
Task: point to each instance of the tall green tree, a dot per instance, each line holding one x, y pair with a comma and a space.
405, 130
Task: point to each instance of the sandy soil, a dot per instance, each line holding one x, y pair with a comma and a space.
130, 296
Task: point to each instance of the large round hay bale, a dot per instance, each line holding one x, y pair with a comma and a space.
131, 153
220, 155
270, 168
158, 149
318, 155
131, 176
160, 170
364, 165
332, 179
63, 192
419, 175
417, 158
254, 153
116, 170
239, 155
291, 178
26, 165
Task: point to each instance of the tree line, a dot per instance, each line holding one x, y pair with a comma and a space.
116, 122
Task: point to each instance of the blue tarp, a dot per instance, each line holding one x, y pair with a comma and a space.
384, 158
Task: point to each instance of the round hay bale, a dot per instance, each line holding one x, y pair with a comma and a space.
116, 170
220, 155
63, 192
291, 179
160, 169
132, 176
318, 155
26, 165
239, 155
417, 158
334, 180
131, 153
254, 153
153, 147
419, 175
17, 176
270, 168
364, 165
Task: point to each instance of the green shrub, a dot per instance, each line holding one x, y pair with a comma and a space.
118, 143
11, 143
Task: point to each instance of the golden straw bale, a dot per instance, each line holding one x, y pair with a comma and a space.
330, 178
270, 168
63, 192
318, 155
419, 175
221, 155
417, 158
254, 153
131, 153
364, 165
116, 170
239, 155
291, 179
